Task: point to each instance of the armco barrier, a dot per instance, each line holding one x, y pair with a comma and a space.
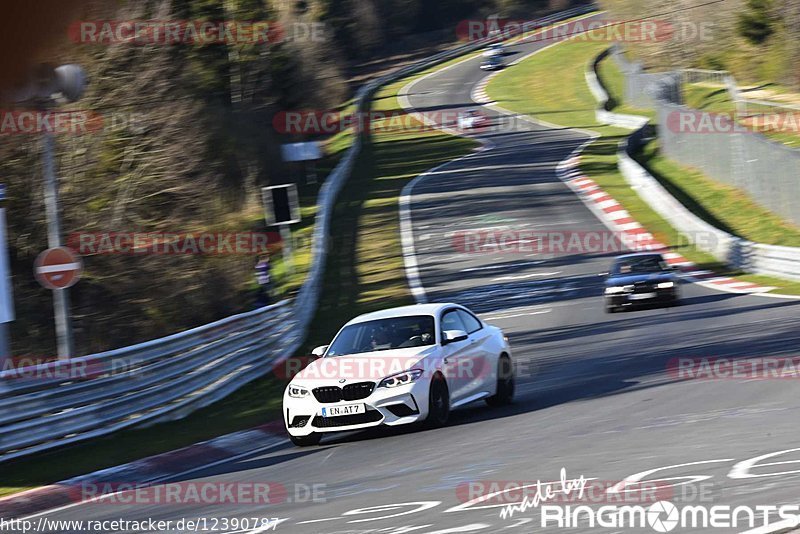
56, 404
783, 262
602, 114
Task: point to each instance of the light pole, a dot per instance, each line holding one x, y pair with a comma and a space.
67, 85
6, 297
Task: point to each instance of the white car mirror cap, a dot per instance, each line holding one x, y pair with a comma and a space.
453, 336
319, 351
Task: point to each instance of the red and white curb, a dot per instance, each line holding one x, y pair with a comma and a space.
619, 220
150, 470
479, 94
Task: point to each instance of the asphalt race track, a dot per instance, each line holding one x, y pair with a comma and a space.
594, 397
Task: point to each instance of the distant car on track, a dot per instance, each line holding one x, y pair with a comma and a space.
642, 278
492, 63
496, 49
472, 119
399, 366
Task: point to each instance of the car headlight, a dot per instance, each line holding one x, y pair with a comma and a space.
297, 392
666, 285
401, 379
614, 290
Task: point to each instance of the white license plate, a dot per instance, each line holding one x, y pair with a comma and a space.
349, 409
642, 296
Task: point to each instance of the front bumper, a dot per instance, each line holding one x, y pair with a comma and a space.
654, 296
385, 406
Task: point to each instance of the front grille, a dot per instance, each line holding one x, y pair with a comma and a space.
359, 391
643, 287
371, 416
328, 394
300, 421
351, 392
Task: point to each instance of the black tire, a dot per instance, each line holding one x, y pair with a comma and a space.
611, 309
306, 441
438, 403
505, 383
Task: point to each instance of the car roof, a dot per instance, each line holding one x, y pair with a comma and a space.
403, 311
638, 255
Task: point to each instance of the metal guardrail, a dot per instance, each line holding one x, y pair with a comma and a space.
783, 262
602, 113
717, 77
56, 404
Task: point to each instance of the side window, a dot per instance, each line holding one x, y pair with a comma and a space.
472, 324
452, 321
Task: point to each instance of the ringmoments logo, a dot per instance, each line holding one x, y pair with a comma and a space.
664, 516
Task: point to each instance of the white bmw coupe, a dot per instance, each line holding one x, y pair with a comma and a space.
396, 367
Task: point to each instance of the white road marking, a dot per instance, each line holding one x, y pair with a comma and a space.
215, 463
525, 276
512, 315
506, 266
317, 520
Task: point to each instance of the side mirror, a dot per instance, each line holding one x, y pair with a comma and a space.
454, 336
320, 351
604, 275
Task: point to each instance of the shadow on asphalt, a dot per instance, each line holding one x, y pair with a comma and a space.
633, 366
255, 461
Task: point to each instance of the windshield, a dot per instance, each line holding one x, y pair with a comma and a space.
640, 265
384, 334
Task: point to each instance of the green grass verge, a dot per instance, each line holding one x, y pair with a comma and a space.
551, 87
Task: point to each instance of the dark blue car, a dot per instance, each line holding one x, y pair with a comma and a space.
641, 279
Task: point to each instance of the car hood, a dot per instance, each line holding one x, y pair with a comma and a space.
624, 280
366, 367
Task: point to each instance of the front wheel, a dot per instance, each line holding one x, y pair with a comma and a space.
505, 383
438, 403
306, 441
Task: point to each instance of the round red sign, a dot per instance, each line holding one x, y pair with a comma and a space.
58, 268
